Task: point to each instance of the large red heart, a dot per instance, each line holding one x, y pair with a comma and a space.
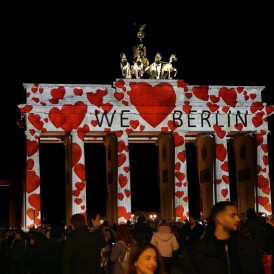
262, 181
134, 123
257, 120
34, 201
179, 211
265, 160
78, 91
154, 103
229, 96
121, 146
76, 153
220, 152
224, 166
224, 192
201, 92
69, 117
32, 214
122, 180
35, 120
58, 93
178, 139
180, 176
78, 201
121, 159
80, 185
32, 147
262, 200
79, 170
256, 106
120, 196
30, 164
97, 97
32, 182
127, 192
220, 133
179, 194
264, 147
182, 156
81, 131
122, 212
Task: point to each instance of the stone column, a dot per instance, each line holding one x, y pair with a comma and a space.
123, 184
181, 185
78, 199
222, 190
263, 188
32, 195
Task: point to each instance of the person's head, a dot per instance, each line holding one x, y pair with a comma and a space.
145, 258
19, 233
242, 217
109, 234
78, 221
251, 214
123, 234
141, 219
193, 219
95, 219
225, 217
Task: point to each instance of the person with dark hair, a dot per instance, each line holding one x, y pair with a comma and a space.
18, 253
145, 258
257, 228
82, 248
123, 243
192, 232
223, 249
141, 231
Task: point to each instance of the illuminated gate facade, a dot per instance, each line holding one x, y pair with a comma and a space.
171, 111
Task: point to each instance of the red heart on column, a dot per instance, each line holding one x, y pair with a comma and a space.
121, 159
79, 170
34, 201
122, 180
32, 147
32, 181
76, 153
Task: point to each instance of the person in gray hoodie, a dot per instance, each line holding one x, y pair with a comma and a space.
166, 243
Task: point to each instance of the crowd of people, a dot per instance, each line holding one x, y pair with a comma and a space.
227, 243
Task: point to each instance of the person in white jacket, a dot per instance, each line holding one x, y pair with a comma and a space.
166, 243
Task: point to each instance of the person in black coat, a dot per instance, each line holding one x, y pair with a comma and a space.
82, 248
191, 233
141, 231
223, 249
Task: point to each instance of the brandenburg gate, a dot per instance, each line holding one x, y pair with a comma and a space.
169, 111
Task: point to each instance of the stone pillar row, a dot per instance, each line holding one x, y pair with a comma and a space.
78, 198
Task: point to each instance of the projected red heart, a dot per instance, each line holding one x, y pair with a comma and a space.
154, 103
33, 181
32, 147
34, 201
76, 153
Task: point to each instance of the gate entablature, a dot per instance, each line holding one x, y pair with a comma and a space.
141, 105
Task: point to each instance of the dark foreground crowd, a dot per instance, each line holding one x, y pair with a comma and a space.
227, 243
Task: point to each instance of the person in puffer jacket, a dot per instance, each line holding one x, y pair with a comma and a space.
166, 243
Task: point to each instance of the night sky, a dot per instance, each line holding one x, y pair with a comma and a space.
214, 46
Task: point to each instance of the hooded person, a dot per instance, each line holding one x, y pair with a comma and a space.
166, 243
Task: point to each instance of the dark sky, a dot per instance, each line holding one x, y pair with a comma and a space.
71, 44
